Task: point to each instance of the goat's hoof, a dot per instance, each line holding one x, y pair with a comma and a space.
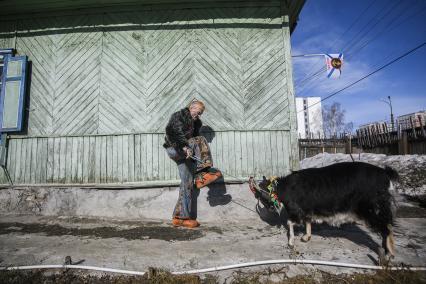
291, 246
305, 238
384, 259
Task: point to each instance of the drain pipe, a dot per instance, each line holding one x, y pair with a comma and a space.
221, 268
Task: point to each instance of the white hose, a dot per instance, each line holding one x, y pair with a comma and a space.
65, 266
297, 261
220, 268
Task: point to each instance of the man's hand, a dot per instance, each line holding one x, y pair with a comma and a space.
188, 152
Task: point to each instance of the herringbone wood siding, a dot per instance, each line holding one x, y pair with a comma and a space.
120, 73
94, 79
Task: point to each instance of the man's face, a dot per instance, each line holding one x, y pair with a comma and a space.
196, 111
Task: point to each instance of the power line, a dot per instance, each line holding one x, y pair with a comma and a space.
387, 29
368, 75
370, 25
375, 20
349, 55
354, 47
349, 51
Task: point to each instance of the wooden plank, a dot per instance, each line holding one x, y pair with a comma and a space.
18, 163
116, 156
138, 150
80, 159
148, 161
23, 160
103, 175
34, 156
162, 158
97, 158
280, 161
125, 158
11, 157
121, 158
274, 152
110, 158
268, 152
155, 158
255, 148
239, 169
213, 148
92, 161
248, 153
144, 156
68, 159
50, 167
229, 155
27, 144
56, 159
63, 154
219, 151
3, 178
242, 140
131, 158
40, 175
260, 159
74, 146
85, 141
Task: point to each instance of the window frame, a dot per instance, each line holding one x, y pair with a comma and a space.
8, 57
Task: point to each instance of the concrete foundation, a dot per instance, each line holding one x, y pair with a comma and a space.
218, 202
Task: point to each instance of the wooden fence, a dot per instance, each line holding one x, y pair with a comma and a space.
380, 139
311, 147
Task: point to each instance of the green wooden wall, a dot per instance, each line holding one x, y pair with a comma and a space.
104, 84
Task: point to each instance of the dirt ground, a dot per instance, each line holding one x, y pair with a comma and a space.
139, 245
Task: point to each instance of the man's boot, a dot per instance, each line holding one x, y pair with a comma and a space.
207, 177
187, 223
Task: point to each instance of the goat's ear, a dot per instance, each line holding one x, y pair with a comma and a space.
264, 178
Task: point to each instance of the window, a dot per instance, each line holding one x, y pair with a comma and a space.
13, 71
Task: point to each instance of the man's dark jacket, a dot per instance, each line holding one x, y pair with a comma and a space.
180, 128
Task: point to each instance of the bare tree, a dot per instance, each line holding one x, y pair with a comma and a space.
333, 119
349, 127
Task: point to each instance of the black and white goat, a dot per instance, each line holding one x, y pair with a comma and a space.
337, 194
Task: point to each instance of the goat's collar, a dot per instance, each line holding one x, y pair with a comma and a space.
272, 187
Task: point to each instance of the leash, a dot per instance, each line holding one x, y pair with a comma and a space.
271, 196
223, 172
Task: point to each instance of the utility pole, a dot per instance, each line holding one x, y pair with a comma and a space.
390, 105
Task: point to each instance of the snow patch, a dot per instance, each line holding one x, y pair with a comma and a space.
411, 168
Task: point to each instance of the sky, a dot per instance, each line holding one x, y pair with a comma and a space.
370, 33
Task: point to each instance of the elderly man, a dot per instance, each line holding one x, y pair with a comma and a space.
192, 155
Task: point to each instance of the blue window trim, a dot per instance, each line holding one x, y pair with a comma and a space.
7, 51
23, 79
